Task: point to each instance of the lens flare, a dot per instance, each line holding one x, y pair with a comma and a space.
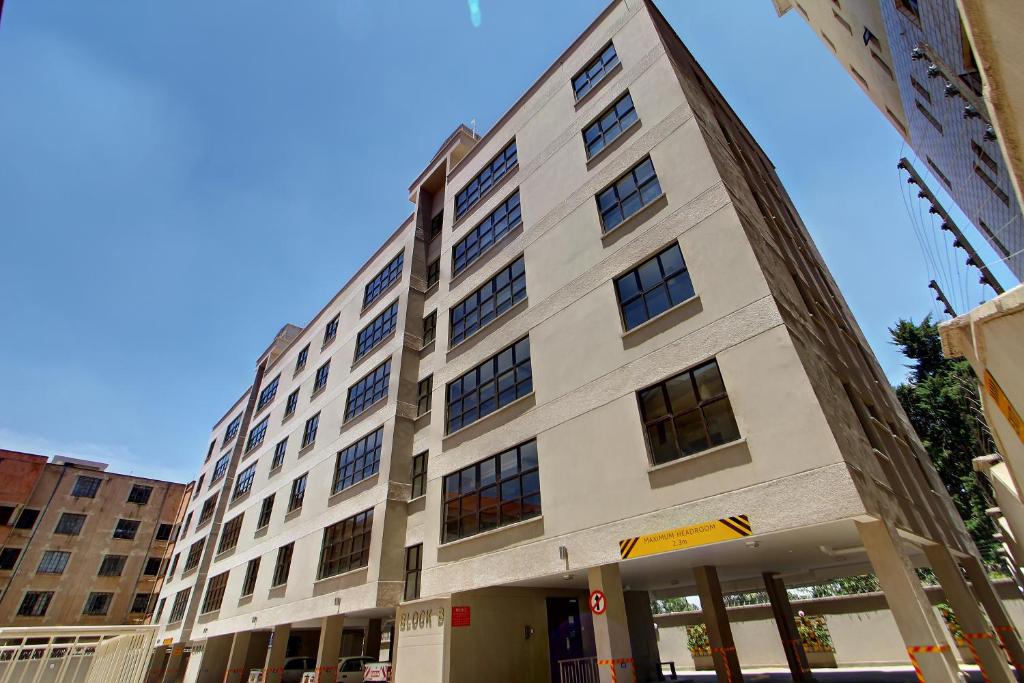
474, 13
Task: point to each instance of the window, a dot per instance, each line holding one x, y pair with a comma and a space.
910, 9
300, 360
70, 524
265, 511
494, 383
252, 571
283, 565
9, 558
112, 565
938, 172
842, 22
358, 461
139, 494
592, 73
429, 328
419, 474
256, 435
232, 430
384, 279
985, 157
993, 238
628, 194
436, 224
163, 532
152, 567
141, 602
173, 565
195, 553
477, 188
320, 381
423, 390
928, 115
881, 64
180, 603
491, 299
687, 414
126, 529
309, 431
229, 534
298, 493
378, 329
35, 604
27, 518
220, 468
279, 451
6, 513
268, 393
433, 272
206, 514
503, 489
244, 482
86, 487
199, 484
346, 545
53, 562
921, 90
97, 604
996, 190
291, 404
159, 610
413, 568
870, 38
653, 287
331, 331
215, 593
188, 520
609, 125
371, 388
481, 238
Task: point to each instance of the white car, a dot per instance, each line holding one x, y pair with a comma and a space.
294, 667
350, 669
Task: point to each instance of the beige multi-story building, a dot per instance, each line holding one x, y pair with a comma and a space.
601, 361
82, 546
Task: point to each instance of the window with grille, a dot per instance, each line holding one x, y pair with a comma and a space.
291, 404
388, 275
9, 558
594, 72
232, 430
220, 468
322, 373
331, 331
27, 518
70, 524
163, 532
215, 593
268, 393
35, 604
206, 514
433, 272
484, 181
423, 391
346, 545
86, 487
266, 510
429, 328
419, 474
283, 565
371, 388
500, 490
97, 604
195, 553
298, 493
496, 382
653, 287
413, 569
126, 529
139, 495
152, 567
279, 452
487, 233
687, 414
309, 431
229, 534
112, 565
141, 603
612, 122
358, 461
53, 562
244, 482
300, 360
627, 195
179, 606
256, 435
491, 299
377, 330
252, 572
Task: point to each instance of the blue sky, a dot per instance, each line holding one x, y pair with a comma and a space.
179, 179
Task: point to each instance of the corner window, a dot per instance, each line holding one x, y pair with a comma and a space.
232, 430
494, 383
220, 468
321, 376
268, 393
298, 493
477, 188
436, 224
595, 71
256, 435
300, 360
266, 510
491, 299
653, 287
359, 461
243, 484
229, 534
27, 518
433, 272
609, 125
215, 588
141, 603
279, 451
384, 279
86, 487
429, 328
283, 565
252, 572
331, 331
627, 195
9, 558
163, 532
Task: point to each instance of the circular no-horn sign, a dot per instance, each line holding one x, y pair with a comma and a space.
598, 603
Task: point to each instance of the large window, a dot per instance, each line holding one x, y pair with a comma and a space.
494, 383
481, 238
256, 435
86, 487
367, 391
70, 524
419, 475
229, 534
687, 414
283, 565
592, 73
359, 461
377, 330
609, 125
252, 572
112, 565
139, 495
215, 593
298, 493
54, 562
153, 565
503, 489
653, 287
268, 393
279, 452
346, 545
628, 194
220, 468
384, 279
266, 509
97, 604
309, 431
163, 532
35, 604
179, 606
423, 392
433, 272
27, 518
9, 558
126, 529
141, 603
232, 430
481, 184
413, 569
322, 373
195, 553
491, 299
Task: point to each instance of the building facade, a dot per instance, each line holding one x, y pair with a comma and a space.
923, 53
82, 546
601, 361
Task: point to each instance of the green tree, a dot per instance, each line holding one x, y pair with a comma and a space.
938, 397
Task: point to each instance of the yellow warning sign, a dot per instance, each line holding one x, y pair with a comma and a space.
1003, 402
714, 531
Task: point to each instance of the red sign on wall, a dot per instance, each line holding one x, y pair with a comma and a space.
460, 616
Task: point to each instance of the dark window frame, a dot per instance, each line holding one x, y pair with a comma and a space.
368, 390
475, 381
640, 295
86, 486
230, 533
487, 302
481, 185
621, 194
429, 327
140, 494
127, 529
382, 281
309, 431
66, 524
331, 330
112, 565
505, 218
195, 554
97, 604
35, 603
595, 71
280, 450
244, 482
418, 476
298, 493
283, 565
301, 358
346, 545
231, 431
268, 393
605, 130
358, 461
413, 571
377, 330
216, 586
291, 404
323, 373
252, 573
424, 391
433, 272
257, 434
180, 605
53, 562
266, 511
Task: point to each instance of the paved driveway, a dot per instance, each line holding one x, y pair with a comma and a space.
861, 675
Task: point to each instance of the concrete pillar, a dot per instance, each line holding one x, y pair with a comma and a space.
643, 635
157, 665
910, 607
175, 668
997, 614
329, 649
782, 611
371, 643
273, 667
611, 630
965, 606
236, 671
723, 648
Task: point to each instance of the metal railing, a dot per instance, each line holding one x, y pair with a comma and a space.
581, 670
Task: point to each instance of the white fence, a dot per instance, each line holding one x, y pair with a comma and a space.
100, 654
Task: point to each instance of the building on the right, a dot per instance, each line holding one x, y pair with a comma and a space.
946, 85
